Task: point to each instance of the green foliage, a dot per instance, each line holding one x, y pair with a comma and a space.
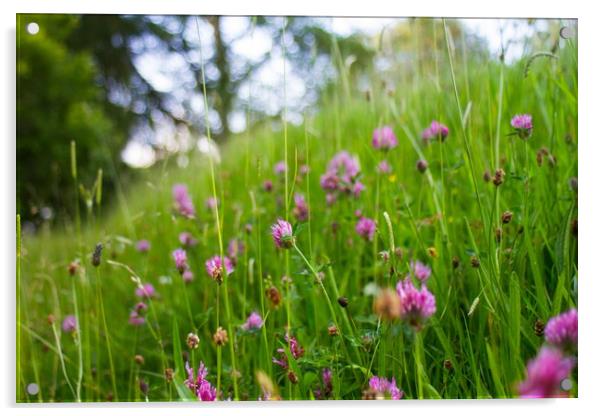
58, 101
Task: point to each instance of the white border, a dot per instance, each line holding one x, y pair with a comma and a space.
590, 153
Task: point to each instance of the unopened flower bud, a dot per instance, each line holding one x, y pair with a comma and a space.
475, 262
343, 301
455, 262
73, 268
169, 374
143, 387
487, 176
539, 327
506, 217
139, 359
422, 165
333, 331
293, 377
96, 255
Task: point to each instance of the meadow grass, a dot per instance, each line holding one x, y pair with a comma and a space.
481, 336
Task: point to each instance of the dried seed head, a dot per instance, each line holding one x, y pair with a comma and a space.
343, 301
274, 296
192, 340
51, 319
539, 327
432, 251
387, 304
422, 165
333, 331
139, 359
474, 262
169, 374
220, 337
506, 217
455, 262
498, 179
96, 255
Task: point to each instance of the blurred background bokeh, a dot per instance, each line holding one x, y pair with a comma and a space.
127, 88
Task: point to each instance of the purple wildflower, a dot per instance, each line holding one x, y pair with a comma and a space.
280, 168
344, 165
187, 239
384, 138
215, 270
268, 186
181, 260
385, 388
143, 246
330, 199
282, 233
561, 330
187, 276
329, 181
357, 188
545, 374
342, 176
136, 319
421, 271
523, 124
253, 322
182, 201
211, 203
366, 227
146, 291
436, 130
69, 323
324, 392
416, 305
384, 168
295, 349
200, 386
301, 209
235, 248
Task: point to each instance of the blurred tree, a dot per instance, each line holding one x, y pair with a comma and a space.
57, 101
